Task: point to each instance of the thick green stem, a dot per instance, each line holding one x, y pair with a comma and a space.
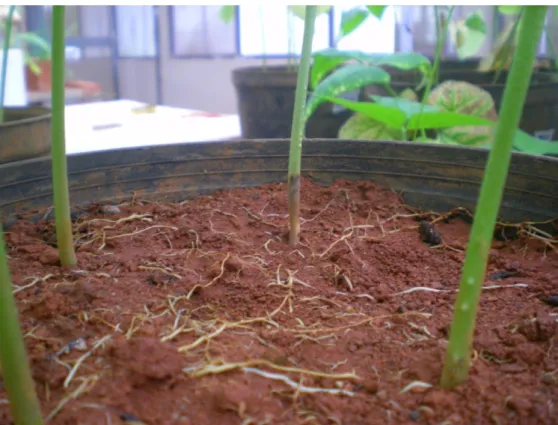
16, 374
7, 35
297, 131
458, 355
60, 188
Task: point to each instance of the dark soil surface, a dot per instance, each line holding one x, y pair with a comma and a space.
200, 313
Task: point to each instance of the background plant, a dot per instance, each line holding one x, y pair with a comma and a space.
458, 355
400, 116
7, 35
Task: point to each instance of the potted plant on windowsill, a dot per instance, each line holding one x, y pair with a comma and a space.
24, 131
265, 95
37, 70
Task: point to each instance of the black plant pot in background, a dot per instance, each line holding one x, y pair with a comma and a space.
265, 99
541, 106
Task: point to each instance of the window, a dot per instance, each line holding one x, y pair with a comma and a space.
198, 31
96, 22
373, 36
266, 31
135, 31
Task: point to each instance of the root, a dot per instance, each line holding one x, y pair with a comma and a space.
249, 367
85, 386
83, 358
298, 387
34, 281
215, 279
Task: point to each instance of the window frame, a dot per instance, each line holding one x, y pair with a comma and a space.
172, 44
156, 38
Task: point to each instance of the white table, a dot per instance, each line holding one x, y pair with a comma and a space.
111, 125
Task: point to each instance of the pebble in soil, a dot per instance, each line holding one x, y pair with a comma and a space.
199, 313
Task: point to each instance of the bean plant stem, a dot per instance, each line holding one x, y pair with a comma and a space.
297, 131
458, 355
59, 166
16, 374
7, 35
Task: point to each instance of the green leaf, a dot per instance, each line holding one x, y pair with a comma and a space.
408, 107
34, 39
327, 59
377, 11
227, 13
509, 10
467, 99
405, 61
469, 35
475, 22
432, 117
443, 119
524, 142
351, 20
390, 116
362, 127
347, 78
300, 11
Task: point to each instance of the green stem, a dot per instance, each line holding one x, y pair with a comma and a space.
297, 131
458, 355
7, 35
64, 235
433, 73
507, 47
495, 23
16, 374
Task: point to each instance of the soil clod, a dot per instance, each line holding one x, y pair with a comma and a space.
429, 234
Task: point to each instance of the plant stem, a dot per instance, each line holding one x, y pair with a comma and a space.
456, 365
510, 40
434, 72
60, 188
7, 35
297, 131
16, 374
